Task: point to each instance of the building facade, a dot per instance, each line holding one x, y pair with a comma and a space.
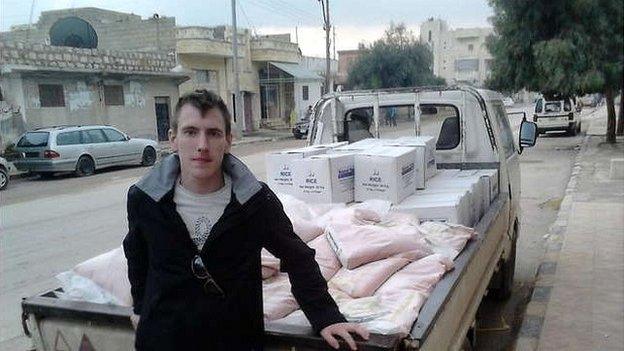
346, 58
43, 85
459, 55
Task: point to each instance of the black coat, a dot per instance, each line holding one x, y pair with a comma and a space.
176, 313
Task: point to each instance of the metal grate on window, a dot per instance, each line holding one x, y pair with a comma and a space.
113, 95
51, 95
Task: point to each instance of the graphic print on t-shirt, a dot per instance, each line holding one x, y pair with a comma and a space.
203, 225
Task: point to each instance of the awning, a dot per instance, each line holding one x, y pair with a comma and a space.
296, 70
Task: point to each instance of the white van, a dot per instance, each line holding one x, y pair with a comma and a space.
557, 115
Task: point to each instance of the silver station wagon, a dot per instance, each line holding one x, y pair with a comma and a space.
80, 149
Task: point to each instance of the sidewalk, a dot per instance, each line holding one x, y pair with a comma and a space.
258, 136
578, 299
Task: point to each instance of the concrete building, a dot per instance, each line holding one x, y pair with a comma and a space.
97, 28
346, 58
459, 55
43, 85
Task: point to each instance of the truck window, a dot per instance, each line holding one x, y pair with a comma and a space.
359, 125
538, 106
506, 136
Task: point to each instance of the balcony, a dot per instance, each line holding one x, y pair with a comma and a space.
206, 41
263, 49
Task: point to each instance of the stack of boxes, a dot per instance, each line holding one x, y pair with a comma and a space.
402, 171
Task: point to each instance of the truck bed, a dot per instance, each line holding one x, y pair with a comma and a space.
442, 323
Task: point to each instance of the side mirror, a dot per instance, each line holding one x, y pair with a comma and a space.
528, 134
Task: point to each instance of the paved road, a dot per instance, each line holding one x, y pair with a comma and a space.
48, 226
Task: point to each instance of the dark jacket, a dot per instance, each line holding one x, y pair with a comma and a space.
176, 313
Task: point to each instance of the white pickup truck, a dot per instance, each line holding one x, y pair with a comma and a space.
472, 132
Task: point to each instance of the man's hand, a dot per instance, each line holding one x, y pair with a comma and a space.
134, 318
343, 330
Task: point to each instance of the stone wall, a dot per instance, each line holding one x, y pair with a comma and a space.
65, 58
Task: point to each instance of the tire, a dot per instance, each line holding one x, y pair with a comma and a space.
4, 178
573, 131
505, 275
578, 127
85, 166
149, 156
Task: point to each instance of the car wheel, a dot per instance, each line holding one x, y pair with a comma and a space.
578, 127
572, 131
85, 166
4, 178
149, 156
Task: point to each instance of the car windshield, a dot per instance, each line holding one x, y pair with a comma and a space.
553, 106
34, 139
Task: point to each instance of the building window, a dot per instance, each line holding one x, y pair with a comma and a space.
466, 65
305, 92
113, 95
470, 47
205, 76
51, 95
429, 36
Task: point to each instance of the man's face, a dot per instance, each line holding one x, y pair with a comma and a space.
200, 142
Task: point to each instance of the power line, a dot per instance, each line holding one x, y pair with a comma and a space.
255, 31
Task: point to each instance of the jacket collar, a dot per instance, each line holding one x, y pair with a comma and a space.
161, 179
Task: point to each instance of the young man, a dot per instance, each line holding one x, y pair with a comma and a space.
197, 222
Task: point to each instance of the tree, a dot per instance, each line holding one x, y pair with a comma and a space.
396, 60
559, 47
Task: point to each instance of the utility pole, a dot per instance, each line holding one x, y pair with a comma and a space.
239, 114
327, 28
334, 42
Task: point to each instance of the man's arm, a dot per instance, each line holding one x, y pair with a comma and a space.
135, 249
308, 285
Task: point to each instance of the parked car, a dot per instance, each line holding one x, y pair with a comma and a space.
558, 114
300, 130
4, 173
81, 149
508, 102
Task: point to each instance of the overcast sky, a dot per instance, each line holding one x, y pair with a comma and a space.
355, 21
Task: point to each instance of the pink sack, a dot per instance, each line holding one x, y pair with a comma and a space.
269, 263
110, 272
306, 230
421, 275
364, 280
402, 309
325, 257
278, 300
449, 239
356, 244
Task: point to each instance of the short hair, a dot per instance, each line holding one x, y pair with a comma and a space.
204, 101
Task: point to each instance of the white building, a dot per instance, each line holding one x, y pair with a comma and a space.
459, 55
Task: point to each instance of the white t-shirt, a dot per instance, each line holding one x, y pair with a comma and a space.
201, 211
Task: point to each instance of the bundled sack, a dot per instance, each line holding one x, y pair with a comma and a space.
270, 264
357, 244
445, 238
303, 216
278, 299
421, 275
325, 257
402, 309
109, 271
364, 280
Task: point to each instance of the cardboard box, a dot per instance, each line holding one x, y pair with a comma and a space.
491, 176
385, 172
425, 156
357, 147
472, 201
477, 204
447, 208
324, 178
279, 167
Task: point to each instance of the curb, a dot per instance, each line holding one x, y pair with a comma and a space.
531, 329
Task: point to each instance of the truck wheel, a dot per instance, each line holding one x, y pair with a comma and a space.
506, 275
572, 130
578, 128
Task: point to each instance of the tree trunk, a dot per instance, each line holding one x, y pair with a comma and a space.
610, 116
620, 121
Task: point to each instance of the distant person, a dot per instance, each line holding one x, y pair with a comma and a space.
196, 224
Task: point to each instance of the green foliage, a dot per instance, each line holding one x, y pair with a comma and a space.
396, 60
568, 47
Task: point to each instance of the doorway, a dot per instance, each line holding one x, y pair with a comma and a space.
162, 104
